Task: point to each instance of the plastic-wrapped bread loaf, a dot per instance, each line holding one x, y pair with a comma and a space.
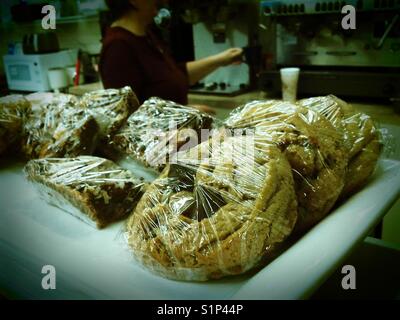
111, 108
93, 189
158, 129
313, 147
359, 134
59, 129
13, 110
215, 213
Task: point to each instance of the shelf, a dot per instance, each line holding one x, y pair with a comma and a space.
74, 19
62, 20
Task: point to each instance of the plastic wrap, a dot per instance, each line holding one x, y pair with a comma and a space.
59, 129
160, 128
39, 99
312, 145
220, 209
93, 189
13, 110
360, 136
111, 108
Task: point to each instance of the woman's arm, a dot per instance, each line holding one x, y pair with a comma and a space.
199, 69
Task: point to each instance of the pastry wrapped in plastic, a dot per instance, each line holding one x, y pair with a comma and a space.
93, 189
215, 213
158, 129
111, 108
313, 147
13, 110
39, 99
360, 136
59, 130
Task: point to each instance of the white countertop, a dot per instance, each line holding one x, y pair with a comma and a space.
96, 264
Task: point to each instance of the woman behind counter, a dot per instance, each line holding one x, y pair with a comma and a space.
133, 56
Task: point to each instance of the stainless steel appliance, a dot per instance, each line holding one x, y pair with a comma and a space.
29, 72
363, 62
217, 26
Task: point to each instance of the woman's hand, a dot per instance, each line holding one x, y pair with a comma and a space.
199, 69
230, 56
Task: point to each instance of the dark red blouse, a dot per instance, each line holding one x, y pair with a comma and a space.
144, 64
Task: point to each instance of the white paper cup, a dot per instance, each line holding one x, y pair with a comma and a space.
58, 79
289, 78
18, 50
71, 73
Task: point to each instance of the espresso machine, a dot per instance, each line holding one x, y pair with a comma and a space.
362, 62
217, 26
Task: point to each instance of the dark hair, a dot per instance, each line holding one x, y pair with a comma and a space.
119, 7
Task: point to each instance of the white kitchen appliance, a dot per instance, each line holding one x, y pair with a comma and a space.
30, 72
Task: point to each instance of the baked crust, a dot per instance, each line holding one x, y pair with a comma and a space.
13, 110
58, 129
97, 187
110, 108
360, 136
312, 145
157, 130
190, 225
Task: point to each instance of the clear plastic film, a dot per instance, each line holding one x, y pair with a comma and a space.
312, 145
111, 108
221, 208
40, 99
58, 128
360, 136
13, 110
93, 189
160, 128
